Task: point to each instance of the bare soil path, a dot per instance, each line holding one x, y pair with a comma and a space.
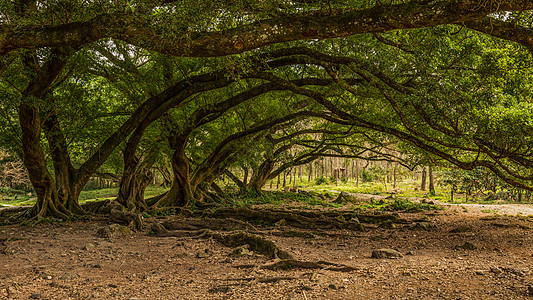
68, 261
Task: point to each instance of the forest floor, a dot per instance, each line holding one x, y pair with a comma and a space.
461, 252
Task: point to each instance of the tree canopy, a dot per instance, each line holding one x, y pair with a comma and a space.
267, 84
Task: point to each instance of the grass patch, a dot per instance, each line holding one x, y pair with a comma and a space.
402, 204
397, 204
278, 198
98, 194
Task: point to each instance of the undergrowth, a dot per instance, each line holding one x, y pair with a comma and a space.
397, 204
278, 198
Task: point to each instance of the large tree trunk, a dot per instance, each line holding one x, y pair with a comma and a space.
48, 199
181, 192
431, 181
134, 181
261, 176
423, 184
66, 176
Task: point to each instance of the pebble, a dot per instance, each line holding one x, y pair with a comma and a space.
202, 255
386, 253
220, 289
466, 246
68, 276
89, 246
240, 251
333, 287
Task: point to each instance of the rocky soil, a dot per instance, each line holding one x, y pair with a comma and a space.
461, 252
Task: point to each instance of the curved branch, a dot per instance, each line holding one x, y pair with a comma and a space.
139, 30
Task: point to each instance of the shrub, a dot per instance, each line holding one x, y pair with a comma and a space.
320, 180
366, 176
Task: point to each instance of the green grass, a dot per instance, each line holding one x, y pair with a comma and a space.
21, 198
396, 204
98, 194
278, 198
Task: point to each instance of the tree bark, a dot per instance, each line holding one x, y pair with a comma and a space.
431, 181
423, 184
136, 30
48, 199
261, 176
66, 176
134, 181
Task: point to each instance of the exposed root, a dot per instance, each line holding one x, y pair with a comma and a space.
257, 243
262, 279
95, 206
292, 264
119, 214
300, 219
292, 233
207, 223
160, 231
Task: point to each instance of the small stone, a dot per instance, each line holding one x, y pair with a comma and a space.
386, 253
306, 288
467, 246
480, 272
36, 296
112, 285
202, 255
240, 251
97, 266
410, 253
113, 231
89, 247
219, 289
333, 287
68, 276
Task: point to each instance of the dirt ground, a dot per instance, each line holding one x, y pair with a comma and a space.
68, 261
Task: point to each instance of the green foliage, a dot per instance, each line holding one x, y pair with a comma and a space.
402, 204
320, 180
366, 176
99, 194
278, 198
